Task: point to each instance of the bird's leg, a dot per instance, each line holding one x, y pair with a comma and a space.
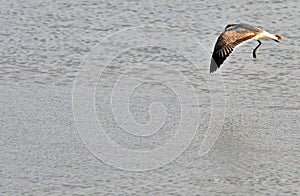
254, 51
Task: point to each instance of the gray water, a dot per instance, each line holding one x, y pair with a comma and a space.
45, 45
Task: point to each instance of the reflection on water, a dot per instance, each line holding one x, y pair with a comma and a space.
43, 45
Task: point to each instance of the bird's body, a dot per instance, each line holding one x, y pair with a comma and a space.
235, 35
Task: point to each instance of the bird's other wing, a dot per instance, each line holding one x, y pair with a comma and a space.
225, 44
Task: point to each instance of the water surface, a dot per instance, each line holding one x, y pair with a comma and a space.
43, 45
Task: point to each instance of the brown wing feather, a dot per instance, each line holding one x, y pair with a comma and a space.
225, 44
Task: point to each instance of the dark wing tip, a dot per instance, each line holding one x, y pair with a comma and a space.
219, 57
229, 25
213, 65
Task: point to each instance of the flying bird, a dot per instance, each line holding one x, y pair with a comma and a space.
235, 35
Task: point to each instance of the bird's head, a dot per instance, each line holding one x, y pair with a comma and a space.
278, 38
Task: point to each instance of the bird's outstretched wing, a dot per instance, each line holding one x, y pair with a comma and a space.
225, 44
